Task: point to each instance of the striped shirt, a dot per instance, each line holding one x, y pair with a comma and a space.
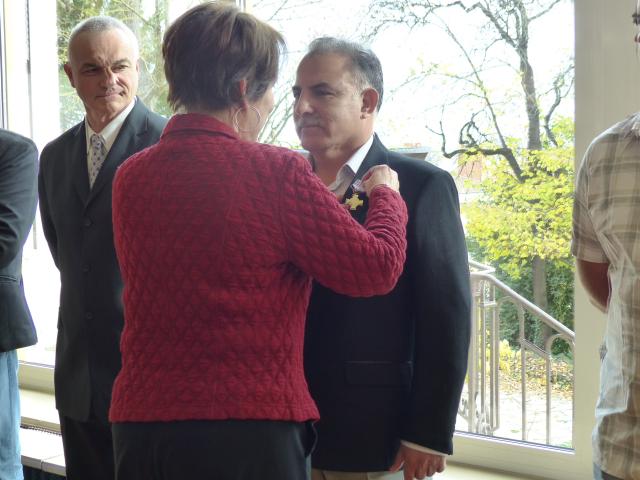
606, 229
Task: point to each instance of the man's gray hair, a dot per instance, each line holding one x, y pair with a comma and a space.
102, 24
365, 65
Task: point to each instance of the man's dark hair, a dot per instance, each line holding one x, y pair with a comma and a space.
365, 65
212, 47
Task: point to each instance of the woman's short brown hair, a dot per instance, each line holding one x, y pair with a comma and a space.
210, 48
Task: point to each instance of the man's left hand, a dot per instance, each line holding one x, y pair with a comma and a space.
418, 464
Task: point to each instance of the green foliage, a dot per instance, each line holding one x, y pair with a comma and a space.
512, 221
559, 282
510, 365
560, 278
70, 13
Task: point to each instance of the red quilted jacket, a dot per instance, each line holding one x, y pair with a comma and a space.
217, 240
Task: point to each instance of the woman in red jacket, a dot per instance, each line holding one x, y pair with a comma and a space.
218, 238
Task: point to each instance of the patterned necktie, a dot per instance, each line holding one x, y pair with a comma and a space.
97, 152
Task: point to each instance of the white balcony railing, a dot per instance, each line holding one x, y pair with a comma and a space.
480, 408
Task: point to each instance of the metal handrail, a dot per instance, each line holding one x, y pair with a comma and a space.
520, 300
483, 398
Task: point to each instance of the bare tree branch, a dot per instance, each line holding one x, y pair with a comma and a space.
132, 10
476, 149
277, 121
511, 23
471, 125
558, 83
278, 7
544, 11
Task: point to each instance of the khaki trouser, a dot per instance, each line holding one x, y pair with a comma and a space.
329, 475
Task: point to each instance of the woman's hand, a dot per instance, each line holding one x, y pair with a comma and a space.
380, 175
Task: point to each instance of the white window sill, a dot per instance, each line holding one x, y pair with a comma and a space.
38, 410
40, 441
467, 472
42, 451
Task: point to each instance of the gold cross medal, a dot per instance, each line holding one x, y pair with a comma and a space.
354, 201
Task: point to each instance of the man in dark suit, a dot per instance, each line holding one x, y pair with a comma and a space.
18, 198
76, 171
387, 371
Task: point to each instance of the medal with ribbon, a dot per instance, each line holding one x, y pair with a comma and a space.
354, 201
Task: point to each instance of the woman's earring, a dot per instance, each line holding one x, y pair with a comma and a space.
236, 124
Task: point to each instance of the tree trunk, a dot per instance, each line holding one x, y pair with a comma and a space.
539, 269
533, 111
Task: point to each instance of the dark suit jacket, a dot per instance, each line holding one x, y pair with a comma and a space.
392, 367
18, 198
77, 225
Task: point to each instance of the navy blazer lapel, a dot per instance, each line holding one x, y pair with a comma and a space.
377, 155
78, 157
124, 146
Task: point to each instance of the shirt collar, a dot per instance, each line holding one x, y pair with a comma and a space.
635, 125
629, 127
348, 171
358, 157
110, 132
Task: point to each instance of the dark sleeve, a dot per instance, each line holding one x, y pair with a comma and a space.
440, 287
324, 241
18, 167
48, 227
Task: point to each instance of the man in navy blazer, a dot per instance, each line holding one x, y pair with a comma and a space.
18, 198
387, 371
76, 172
